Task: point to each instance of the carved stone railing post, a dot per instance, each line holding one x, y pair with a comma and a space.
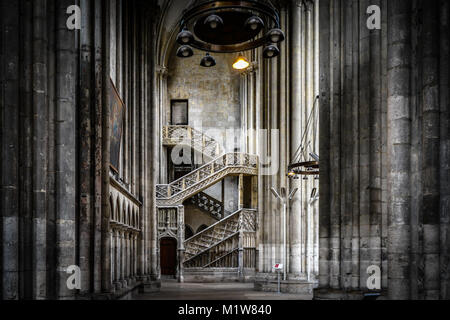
241, 246
205, 176
175, 135
236, 233
181, 249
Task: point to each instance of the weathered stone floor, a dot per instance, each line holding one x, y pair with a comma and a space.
172, 290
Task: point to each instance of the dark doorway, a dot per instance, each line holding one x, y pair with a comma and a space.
179, 111
168, 256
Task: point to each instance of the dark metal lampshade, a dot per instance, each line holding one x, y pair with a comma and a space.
271, 51
276, 35
254, 24
185, 52
185, 37
214, 22
208, 61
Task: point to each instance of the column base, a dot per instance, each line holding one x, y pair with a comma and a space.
339, 294
269, 283
150, 286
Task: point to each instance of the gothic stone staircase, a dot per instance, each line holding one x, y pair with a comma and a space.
187, 136
209, 205
229, 243
230, 164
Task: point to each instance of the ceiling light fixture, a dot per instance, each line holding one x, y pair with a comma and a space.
271, 51
276, 35
241, 63
185, 52
208, 61
214, 21
231, 26
254, 23
185, 37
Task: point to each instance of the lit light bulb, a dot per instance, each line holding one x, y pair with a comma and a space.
241, 63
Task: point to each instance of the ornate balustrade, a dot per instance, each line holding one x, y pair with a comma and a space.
230, 243
208, 204
202, 178
186, 135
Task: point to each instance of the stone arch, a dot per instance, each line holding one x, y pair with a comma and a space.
118, 209
112, 208
129, 211
137, 218
201, 228
188, 231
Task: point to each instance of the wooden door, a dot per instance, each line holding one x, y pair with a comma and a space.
168, 256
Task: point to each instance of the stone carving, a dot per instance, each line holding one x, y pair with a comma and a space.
198, 180
218, 245
185, 135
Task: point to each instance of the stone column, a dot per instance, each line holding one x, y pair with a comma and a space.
106, 136
241, 191
325, 183
122, 257
444, 151
295, 212
399, 140
431, 147
66, 76
116, 256
241, 248
9, 176
181, 249
86, 142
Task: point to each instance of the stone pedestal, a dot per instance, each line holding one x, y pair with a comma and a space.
150, 287
287, 286
334, 294
268, 282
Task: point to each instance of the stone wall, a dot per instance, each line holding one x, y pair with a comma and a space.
54, 140
214, 106
213, 94
194, 217
384, 191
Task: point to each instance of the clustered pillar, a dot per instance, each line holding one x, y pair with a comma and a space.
55, 179
384, 148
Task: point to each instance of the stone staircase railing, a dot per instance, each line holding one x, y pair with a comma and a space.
186, 135
202, 178
209, 205
220, 244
